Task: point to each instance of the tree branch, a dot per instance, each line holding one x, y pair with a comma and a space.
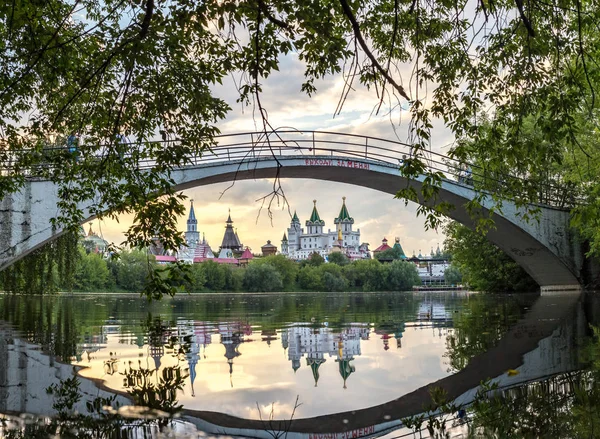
356, 29
524, 18
271, 17
147, 17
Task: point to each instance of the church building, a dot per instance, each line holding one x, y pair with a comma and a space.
298, 244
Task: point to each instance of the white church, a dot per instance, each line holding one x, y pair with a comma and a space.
297, 244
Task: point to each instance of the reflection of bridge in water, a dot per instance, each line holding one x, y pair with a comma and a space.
539, 345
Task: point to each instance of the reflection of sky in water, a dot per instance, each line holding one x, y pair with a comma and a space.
263, 374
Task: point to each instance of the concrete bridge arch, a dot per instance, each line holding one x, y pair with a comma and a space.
547, 249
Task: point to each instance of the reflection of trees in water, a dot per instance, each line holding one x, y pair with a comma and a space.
155, 388
566, 405
480, 325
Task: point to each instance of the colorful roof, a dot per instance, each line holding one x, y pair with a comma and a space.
284, 237
295, 218
344, 215
217, 260
314, 217
345, 369
247, 254
383, 247
164, 258
397, 246
203, 251
314, 365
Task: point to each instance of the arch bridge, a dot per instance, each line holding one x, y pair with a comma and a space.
546, 247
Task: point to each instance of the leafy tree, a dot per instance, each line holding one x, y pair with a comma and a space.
309, 278
45, 270
452, 275
215, 275
391, 253
370, 275
484, 266
262, 277
92, 272
402, 276
314, 260
332, 277
338, 258
132, 269
287, 268
147, 70
198, 279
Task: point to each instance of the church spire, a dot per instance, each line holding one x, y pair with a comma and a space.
295, 218
314, 217
344, 216
192, 236
231, 240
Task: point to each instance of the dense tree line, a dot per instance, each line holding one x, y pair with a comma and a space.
277, 273
131, 270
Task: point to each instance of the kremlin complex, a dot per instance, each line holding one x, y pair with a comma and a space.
297, 243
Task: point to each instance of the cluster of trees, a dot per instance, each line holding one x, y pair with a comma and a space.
131, 270
481, 265
535, 66
278, 273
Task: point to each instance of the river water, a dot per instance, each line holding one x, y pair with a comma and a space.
283, 356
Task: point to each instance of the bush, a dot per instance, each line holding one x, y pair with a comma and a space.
92, 272
309, 278
287, 268
262, 277
198, 279
402, 276
214, 274
339, 259
452, 275
132, 269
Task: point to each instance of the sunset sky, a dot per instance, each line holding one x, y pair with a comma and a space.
378, 215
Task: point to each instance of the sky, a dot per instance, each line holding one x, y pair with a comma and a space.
376, 214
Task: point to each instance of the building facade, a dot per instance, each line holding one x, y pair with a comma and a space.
298, 244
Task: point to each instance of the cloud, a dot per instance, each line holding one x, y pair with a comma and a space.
377, 214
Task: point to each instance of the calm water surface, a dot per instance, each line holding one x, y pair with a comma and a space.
251, 355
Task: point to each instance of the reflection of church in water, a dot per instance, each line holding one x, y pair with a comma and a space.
187, 341
315, 343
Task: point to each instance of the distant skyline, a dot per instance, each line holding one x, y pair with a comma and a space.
378, 215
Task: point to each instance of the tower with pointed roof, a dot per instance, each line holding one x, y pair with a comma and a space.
294, 233
284, 245
192, 235
315, 223
300, 245
231, 240
314, 240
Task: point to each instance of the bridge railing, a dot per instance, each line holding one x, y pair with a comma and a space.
251, 146
283, 143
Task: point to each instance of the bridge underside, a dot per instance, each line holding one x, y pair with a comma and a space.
547, 251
